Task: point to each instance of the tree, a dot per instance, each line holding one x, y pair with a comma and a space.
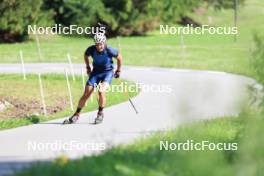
17, 15
121, 17
131, 17
82, 12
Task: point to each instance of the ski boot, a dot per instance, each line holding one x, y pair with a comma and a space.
72, 119
99, 118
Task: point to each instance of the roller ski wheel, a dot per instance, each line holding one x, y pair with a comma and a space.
99, 119
72, 119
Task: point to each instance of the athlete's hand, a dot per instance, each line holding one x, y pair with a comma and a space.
88, 70
117, 74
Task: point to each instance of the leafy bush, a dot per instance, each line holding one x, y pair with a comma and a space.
81, 12
126, 17
122, 17
16, 15
173, 10
131, 17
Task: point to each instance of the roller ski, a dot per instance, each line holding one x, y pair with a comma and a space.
72, 119
99, 118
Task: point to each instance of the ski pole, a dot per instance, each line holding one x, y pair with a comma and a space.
131, 102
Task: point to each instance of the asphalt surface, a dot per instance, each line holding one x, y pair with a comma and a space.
169, 97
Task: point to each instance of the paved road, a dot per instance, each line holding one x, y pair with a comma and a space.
194, 95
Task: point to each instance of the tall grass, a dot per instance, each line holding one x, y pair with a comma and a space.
257, 60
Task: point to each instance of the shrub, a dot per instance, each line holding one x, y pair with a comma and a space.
16, 15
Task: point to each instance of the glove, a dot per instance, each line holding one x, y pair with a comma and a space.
117, 74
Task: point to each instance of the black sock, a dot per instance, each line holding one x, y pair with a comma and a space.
78, 110
100, 109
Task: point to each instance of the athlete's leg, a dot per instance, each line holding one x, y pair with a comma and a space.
87, 93
89, 88
102, 100
102, 92
105, 82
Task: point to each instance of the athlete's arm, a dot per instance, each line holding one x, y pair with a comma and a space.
86, 60
119, 64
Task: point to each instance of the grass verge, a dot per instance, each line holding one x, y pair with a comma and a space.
23, 97
145, 157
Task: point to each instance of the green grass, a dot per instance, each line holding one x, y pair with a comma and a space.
145, 157
55, 92
213, 52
